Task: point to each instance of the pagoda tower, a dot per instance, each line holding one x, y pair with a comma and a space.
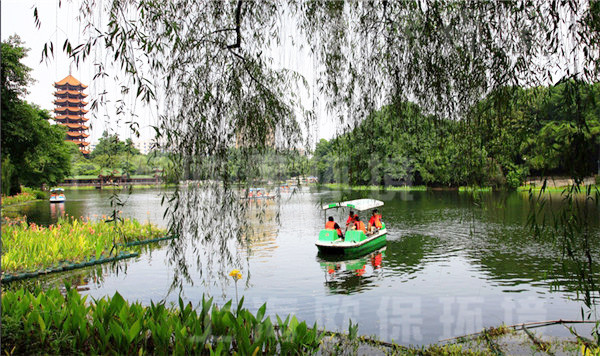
70, 111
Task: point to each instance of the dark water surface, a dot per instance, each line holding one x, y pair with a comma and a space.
453, 264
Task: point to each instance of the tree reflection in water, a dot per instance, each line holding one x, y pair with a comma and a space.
571, 229
217, 226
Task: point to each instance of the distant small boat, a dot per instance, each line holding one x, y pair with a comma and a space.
258, 193
57, 195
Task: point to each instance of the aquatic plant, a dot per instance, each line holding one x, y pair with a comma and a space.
50, 322
30, 247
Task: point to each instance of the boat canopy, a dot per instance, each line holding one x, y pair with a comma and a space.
358, 204
56, 190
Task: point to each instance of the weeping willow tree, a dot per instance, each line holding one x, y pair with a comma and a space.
212, 70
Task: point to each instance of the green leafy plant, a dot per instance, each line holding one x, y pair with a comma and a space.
50, 322
29, 247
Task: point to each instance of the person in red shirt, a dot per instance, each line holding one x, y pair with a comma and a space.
375, 221
332, 225
350, 219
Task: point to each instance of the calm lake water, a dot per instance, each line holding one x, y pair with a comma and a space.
453, 264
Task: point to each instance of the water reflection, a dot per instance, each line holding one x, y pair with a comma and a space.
216, 225
474, 249
83, 279
57, 211
347, 276
260, 234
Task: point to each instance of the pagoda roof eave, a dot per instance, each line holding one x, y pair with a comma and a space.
71, 101
72, 92
70, 109
69, 80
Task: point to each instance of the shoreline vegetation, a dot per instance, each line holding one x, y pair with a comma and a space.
125, 186
30, 247
523, 188
65, 322
26, 195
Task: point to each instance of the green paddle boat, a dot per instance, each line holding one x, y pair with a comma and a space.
355, 241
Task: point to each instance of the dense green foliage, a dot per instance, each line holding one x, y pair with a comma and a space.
537, 131
270, 165
52, 323
33, 151
29, 247
111, 154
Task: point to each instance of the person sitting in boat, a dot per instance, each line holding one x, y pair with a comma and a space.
359, 225
375, 221
350, 221
332, 225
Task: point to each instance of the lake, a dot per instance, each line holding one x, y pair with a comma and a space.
454, 263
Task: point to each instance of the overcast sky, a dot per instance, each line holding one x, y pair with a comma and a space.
58, 23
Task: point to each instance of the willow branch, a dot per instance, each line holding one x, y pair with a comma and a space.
238, 31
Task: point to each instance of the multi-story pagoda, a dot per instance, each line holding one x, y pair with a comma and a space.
70, 110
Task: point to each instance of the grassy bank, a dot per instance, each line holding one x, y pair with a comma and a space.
374, 187
524, 188
535, 188
52, 323
135, 186
29, 247
474, 189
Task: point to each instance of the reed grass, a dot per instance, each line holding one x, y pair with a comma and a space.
30, 247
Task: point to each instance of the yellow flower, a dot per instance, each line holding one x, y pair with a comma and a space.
236, 274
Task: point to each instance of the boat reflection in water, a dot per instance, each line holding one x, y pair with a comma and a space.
57, 210
348, 276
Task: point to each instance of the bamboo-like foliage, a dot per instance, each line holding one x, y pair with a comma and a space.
27, 247
48, 322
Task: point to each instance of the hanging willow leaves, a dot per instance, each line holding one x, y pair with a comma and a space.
210, 67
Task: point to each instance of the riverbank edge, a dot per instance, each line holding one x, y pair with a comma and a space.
467, 189
42, 316
116, 187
